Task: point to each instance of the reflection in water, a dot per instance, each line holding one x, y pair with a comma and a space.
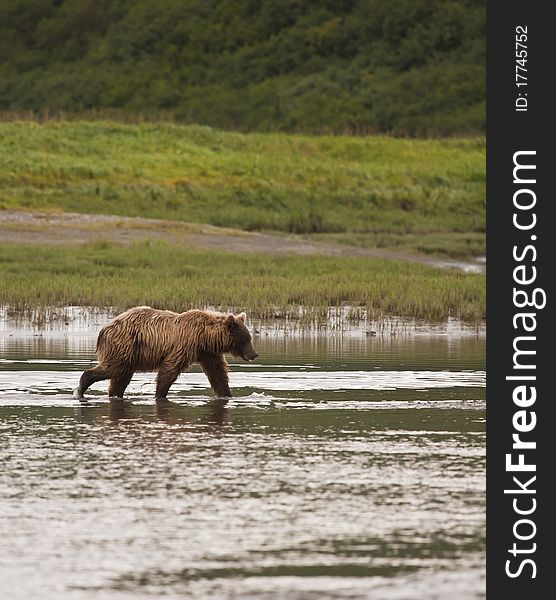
167, 411
318, 489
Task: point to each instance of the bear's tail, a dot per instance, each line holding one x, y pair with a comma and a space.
100, 341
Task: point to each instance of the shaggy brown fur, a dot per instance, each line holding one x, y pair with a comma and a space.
146, 339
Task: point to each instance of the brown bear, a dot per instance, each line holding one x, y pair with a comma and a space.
147, 339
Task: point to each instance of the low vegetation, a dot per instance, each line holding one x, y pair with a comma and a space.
168, 276
418, 195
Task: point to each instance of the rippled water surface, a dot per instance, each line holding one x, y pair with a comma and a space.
346, 466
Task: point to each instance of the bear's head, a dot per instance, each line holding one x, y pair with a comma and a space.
242, 343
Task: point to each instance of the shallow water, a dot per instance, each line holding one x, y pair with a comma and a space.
346, 466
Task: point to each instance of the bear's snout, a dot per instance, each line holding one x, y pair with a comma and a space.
249, 354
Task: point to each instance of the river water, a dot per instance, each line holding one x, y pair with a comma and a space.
346, 466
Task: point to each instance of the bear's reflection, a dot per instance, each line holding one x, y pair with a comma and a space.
215, 413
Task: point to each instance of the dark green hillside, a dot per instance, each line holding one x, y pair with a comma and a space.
409, 67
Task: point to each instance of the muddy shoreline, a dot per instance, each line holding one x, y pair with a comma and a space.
25, 227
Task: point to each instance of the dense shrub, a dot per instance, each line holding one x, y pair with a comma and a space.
408, 67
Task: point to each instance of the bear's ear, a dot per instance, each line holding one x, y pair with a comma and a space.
241, 317
230, 321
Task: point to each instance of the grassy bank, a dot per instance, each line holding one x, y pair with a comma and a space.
421, 195
166, 276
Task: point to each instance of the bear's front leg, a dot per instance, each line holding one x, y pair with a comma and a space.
216, 370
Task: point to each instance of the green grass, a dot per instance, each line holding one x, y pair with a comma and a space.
425, 195
166, 276
454, 244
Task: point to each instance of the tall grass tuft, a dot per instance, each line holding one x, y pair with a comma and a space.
177, 278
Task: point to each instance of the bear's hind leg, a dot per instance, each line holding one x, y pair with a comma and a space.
118, 384
216, 370
88, 378
165, 378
